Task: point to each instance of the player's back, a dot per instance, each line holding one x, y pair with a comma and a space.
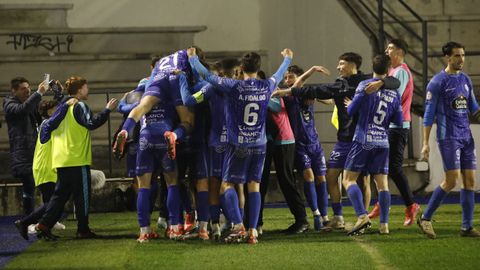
246, 111
218, 129
375, 112
169, 63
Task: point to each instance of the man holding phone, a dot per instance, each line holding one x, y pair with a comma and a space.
22, 117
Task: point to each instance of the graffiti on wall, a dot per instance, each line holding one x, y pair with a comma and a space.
52, 43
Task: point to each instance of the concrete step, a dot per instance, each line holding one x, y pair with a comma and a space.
103, 71
17, 16
61, 41
101, 68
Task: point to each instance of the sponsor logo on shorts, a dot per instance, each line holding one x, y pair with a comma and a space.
241, 152
142, 143
220, 148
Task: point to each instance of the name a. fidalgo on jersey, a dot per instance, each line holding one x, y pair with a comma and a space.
252, 97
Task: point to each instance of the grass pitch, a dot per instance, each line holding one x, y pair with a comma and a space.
404, 248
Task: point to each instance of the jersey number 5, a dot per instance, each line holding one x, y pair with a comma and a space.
380, 113
250, 114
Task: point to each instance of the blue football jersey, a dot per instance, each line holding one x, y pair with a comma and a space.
302, 120
449, 100
375, 112
161, 117
218, 127
167, 64
246, 103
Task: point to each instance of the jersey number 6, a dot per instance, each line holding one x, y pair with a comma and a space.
250, 115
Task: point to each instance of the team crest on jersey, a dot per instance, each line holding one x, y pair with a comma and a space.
460, 103
429, 95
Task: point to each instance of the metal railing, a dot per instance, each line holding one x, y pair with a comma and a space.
382, 34
378, 36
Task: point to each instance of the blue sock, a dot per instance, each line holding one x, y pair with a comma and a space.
311, 194
202, 205
215, 213
322, 195
254, 203
230, 205
143, 207
437, 197
242, 212
337, 209
173, 204
153, 194
129, 125
467, 200
223, 210
356, 197
384, 200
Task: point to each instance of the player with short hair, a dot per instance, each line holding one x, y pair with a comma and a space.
450, 98
308, 150
350, 76
217, 136
246, 110
369, 150
161, 92
398, 135
152, 150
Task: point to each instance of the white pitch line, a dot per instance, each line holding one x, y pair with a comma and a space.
380, 262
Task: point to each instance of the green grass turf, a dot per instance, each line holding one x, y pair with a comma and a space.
404, 248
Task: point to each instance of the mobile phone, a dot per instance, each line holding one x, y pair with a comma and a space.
46, 77
54, 86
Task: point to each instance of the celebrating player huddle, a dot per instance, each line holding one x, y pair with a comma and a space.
223, 124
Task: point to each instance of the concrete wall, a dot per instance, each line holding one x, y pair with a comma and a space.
311, 28
317, 31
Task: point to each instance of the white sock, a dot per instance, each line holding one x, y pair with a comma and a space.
144, 230
203, 225
238, 226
